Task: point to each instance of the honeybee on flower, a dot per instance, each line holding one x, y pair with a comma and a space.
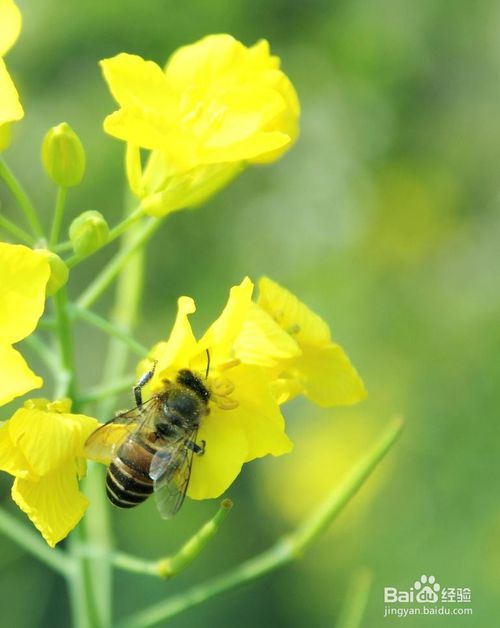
203, 422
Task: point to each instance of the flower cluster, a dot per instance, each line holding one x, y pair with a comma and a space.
216, 107
261, 354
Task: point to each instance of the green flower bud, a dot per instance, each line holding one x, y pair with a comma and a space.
63, 156
88, 232
58, 271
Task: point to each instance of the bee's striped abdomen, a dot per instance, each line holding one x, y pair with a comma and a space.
128, 482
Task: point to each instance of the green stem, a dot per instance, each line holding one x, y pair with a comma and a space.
283, 552
22, 235
67, 383
62, 247
58, 216
108, 328
82, 605
27, 539
108, 275
125, 224
356, 599
171, 566
22, 198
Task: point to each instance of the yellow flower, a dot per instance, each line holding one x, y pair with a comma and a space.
10, 107
42, 447
244, 421
217, 106
282, 334
23, 279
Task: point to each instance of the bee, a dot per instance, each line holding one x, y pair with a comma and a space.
149, 449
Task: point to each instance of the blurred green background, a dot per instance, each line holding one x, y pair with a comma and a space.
384, 218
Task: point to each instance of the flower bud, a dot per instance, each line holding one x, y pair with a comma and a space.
63, 156
58, 271
88, 232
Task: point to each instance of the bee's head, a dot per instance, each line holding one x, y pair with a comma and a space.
187, 378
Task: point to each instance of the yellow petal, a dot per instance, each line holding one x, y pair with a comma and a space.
48, 440
258, 413
177, 351
204, 62
16, 378
220, 336
328, 377
225, 452
261, 57
23, 277
262, 341
247, 149
10, 26
11, 458
248, 108
308, 329
139, 84
286, 387
54, 504
10, 107
288, 120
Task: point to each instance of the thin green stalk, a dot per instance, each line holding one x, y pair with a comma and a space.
98, 533
108, 328
125, 224
29, 540
108, 275
356, 599
58, 216
62, 247
67, 383
171, 566
80, 589
283, 552
22, 198
106, 391
83, 611
22, 235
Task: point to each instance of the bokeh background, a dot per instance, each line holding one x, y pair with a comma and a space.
385, 219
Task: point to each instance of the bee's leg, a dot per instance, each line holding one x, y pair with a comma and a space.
141, 383
196, 448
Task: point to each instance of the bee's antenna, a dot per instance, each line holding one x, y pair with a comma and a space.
208, 364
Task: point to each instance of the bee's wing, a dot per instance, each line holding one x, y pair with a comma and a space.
171, 469
103, 444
